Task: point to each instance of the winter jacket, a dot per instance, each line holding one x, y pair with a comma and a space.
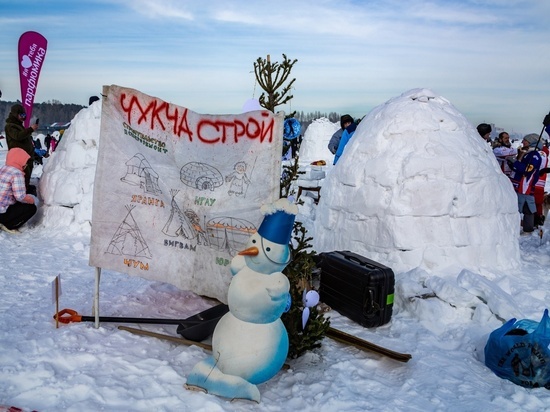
525, 173
12, 179
503, 153
335, 141
17, 135
346, 136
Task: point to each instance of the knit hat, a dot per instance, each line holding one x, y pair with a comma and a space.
345, 119
483, 129
17, 109
533, 139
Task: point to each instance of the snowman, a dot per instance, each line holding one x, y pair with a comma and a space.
250, 342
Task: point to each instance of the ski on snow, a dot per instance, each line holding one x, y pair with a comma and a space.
332, 333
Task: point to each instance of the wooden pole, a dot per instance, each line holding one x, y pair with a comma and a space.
57, 302
96, 296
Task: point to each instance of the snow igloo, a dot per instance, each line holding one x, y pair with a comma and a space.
418, 187
315, 143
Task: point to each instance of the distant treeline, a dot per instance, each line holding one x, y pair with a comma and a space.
48, 112
56, 112
306, 119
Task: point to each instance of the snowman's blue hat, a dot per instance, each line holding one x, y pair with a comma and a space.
278, 221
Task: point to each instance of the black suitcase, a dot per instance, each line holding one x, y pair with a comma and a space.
358, 288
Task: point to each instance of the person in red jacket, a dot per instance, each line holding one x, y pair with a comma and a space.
540, 217
16, 206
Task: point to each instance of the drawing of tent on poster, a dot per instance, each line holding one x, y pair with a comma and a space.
140, 173
186, 224
128, 239
177, 224
229, 233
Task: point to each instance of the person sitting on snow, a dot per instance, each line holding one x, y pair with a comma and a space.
16, 206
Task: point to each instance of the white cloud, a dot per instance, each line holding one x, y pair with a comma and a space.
168, 9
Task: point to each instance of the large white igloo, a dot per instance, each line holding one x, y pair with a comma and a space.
418, 187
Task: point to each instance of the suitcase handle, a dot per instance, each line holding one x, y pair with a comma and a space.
370, 308
358, 261
354, 259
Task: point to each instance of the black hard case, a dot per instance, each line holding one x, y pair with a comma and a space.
358, 288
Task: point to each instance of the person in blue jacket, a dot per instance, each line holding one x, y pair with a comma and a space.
349, 130
335, 139
525, 173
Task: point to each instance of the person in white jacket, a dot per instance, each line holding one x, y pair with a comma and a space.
504, 151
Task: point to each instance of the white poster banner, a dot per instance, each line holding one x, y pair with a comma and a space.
177, 193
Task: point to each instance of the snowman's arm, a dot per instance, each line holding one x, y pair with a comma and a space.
278, 286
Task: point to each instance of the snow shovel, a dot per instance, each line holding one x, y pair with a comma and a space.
70, 315
200, 326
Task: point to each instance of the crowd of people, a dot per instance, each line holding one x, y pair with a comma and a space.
527, 167
39, 152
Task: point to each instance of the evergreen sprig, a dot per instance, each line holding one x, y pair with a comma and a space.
271, 77
300, 274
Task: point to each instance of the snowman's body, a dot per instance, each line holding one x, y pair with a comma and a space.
250, 343
253, 351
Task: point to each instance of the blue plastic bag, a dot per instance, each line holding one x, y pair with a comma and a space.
292, 128
520, 352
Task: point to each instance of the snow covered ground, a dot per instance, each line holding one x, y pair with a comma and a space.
79, 368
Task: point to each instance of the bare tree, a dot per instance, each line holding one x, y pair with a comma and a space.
271, 77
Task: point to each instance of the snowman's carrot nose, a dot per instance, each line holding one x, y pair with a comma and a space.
251, 251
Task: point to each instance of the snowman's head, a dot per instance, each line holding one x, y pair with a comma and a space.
265, 256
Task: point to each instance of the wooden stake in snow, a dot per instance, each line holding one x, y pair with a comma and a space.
56, 293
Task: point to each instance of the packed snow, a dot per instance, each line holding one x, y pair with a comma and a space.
417, 187
447, 299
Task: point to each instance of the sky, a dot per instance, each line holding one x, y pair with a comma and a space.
443, 320
488, 57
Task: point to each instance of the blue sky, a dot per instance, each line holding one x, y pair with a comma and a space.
490, 58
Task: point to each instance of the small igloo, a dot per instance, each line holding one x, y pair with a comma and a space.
315, 143
418, 187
